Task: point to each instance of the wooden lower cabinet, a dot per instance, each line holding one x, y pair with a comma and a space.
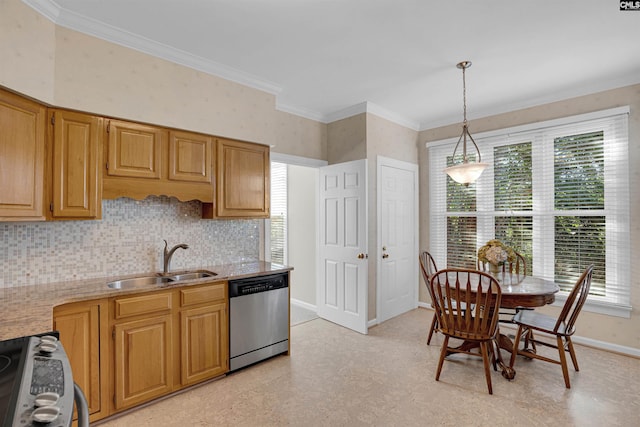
128, 350
204, 344
143, 359
83, 327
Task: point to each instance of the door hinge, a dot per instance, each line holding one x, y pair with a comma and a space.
109, 126
51, 207
107, 165
113, 333
53, 118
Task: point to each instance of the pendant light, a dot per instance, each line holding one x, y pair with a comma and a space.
466, 172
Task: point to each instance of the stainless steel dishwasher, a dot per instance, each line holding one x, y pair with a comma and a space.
258, 319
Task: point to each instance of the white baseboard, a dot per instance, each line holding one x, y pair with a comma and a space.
589, 342
303, 304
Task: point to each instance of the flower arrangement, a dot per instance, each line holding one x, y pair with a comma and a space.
495, 252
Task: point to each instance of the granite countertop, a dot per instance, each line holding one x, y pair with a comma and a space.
28, 310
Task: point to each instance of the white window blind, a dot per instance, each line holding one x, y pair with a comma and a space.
557, 192
278, 234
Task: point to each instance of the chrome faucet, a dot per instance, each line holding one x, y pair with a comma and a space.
169, 253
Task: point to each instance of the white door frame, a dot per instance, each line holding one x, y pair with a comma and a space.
412, 167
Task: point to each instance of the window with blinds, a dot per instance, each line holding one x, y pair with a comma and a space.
557, 192
278, 236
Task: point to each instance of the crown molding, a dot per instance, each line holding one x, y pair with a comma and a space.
345, 113
49, 9
301, 112
371, 108
86, 25
391, 116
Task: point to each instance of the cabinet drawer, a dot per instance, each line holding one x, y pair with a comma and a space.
207, 293
143, 304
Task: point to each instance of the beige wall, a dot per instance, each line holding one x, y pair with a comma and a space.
615, 330
347, 139
298, 136
303, 196
27, 49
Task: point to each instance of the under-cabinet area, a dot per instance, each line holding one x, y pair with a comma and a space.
61, 164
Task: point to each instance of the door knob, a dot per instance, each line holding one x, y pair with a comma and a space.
385, 255
362, 256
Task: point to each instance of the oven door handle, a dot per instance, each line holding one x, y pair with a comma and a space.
81, 406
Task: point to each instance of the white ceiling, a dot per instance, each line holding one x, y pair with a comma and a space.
326, 59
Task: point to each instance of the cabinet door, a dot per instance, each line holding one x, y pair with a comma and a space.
204, 343
76, 159
83, 334
22, 154
190, 157
134, 150
143, 360
243, 179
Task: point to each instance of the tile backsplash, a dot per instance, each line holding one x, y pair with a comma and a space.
128, 240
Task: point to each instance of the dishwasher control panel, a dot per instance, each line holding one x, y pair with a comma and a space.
256, 285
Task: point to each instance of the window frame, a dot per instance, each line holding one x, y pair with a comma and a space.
541, 135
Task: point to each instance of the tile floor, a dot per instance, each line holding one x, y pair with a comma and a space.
336, 377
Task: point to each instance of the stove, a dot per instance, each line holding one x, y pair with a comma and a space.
36, 384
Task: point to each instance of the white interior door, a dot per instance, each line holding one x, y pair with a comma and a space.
397, 270
342, 268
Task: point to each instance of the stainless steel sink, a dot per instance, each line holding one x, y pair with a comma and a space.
160, 279
139, 281
191, 275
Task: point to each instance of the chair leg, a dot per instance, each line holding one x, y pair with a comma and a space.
492, 354
495, 344
530, 340
443, 353
572, 352
516, 343
434, 325
563, 362
485, 360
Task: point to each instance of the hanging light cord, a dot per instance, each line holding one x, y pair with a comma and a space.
465, 131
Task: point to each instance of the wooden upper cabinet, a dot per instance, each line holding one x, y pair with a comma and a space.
243, 180
76, 181
134, 150
22, 158
145, 160
190, 156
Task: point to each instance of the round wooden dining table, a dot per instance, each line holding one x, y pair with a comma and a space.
525, 291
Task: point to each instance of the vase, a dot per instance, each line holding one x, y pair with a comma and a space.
494, 269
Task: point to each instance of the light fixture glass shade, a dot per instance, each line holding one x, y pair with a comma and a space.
466, 173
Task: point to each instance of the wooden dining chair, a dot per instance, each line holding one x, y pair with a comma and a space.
428, 269
478, 324
561, 328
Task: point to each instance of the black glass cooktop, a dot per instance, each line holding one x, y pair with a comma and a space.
10, 364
